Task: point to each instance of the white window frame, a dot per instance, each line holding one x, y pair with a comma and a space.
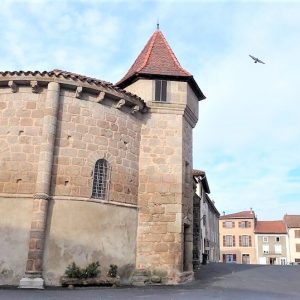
265, 239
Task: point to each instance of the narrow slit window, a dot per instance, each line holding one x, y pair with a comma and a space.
101, 178
161, 90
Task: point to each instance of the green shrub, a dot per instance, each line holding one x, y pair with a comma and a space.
73, 271
113, 270
92, 270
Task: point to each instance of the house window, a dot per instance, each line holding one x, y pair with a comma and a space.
265, 239
245, 240
277, 249
297, 247
101, 178
244, 224
229, 240
161, 90
277, 239
297, 234
228, 224
204, 220
266, 249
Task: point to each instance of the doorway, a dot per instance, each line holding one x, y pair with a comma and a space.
246, 259
272, 260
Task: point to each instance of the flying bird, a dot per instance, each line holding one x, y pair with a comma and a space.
256, 60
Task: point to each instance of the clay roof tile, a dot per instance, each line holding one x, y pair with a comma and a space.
270, 227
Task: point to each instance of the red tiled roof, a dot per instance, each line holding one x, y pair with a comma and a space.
270, 227
248, 214
292, 221
157, 58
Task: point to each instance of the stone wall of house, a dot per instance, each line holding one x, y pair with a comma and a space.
85, 232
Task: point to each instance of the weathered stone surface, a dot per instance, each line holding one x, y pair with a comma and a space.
96, 281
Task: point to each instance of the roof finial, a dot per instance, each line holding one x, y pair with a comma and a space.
157, 24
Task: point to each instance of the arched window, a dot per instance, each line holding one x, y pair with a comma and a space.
101, 179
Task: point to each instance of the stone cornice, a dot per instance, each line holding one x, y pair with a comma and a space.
103, 89
174, 108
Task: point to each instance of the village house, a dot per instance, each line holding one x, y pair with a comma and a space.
271, 242
293, 229
208, 221
237, 243
92, 171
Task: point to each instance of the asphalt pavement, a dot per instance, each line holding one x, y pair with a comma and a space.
212, 281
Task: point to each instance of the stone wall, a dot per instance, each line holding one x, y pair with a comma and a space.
86, 232
160, 194
38, 123
14, 236
88, 131
21, 121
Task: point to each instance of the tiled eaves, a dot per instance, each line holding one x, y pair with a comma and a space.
72, 79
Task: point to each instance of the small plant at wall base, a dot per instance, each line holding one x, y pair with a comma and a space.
113, 270
74, 271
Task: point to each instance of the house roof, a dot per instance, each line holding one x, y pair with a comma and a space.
202, 176
248, 214
292, 221
158, 60
67, 77
270, 227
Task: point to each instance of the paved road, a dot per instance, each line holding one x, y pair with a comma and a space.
213, 281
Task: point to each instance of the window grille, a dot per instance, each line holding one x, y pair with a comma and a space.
101, 178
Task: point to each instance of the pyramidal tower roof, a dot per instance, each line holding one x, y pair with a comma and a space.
157, 60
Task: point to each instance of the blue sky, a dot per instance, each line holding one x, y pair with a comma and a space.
248, 135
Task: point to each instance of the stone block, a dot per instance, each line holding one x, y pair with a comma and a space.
162, 228
161, 247
31, 283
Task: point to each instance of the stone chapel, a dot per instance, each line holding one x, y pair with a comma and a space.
94, 171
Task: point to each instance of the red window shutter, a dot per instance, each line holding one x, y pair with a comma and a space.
223, 224
223, 240
224, 258
250, 242
240, 224
234, 257
233, 224
233, 241
240, 240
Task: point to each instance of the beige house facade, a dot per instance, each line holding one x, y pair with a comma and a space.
237, 240
95, 171
293, 229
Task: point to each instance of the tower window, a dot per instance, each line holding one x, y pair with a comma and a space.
161, 90
101, 179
